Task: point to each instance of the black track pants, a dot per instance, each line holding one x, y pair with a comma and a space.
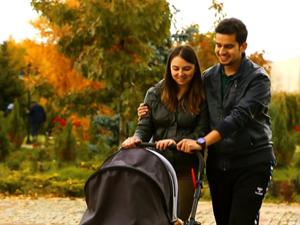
237, 194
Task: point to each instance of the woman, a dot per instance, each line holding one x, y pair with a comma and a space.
177, 111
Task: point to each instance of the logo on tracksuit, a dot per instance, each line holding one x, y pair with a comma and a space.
259, 191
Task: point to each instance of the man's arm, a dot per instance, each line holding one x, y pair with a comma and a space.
142, 110
253, 104
190, 145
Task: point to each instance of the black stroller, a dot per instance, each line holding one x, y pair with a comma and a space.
135, 187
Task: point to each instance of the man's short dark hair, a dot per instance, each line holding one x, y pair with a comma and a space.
233, 26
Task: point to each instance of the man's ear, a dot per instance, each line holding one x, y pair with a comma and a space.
243, 47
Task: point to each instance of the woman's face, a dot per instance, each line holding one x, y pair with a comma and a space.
182, 71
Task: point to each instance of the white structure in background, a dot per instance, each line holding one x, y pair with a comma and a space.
285, 75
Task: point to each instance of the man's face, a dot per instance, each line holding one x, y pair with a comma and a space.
228, 50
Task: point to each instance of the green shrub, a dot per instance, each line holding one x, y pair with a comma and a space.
297, 157
32, 159
4, 146
285, 185
4, 142
296, 182
69, 182
105, 127
14, 160
73, 172
71, 188
286, 189
284, 137
11, 183
65, 145
293, 110
16, 126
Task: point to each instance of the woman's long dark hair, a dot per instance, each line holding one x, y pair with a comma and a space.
194, 96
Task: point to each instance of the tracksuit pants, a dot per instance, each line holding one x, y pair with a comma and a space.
237, 194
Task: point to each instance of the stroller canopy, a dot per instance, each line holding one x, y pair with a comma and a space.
133, 187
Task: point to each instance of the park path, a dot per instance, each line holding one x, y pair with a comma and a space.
66, 211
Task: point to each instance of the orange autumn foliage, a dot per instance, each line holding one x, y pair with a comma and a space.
49, 31
73, 3
47, 63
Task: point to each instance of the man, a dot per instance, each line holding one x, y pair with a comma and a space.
240, 155
37, 117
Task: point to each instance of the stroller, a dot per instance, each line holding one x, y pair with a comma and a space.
135, 187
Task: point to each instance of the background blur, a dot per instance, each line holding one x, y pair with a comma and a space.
84, 66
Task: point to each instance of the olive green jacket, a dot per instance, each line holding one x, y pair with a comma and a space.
160, 123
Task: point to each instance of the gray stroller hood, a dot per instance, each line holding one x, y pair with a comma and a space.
133, 187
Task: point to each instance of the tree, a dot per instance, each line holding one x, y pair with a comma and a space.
203, 43
10, 85
4, 141
112, 41
258, 58
49, 76
218, 7
15, 126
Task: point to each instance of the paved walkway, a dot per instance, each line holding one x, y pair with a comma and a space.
65, 211
271, 214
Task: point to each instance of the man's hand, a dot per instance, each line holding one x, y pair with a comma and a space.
178, 222
143, 110
164, 144
188, 146
131, 142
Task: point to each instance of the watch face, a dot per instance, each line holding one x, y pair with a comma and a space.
201, 141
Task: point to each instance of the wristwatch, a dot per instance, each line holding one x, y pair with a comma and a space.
201, 141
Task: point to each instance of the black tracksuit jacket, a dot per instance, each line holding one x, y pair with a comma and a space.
241, 117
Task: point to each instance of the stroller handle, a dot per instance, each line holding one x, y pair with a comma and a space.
153, 145
147, 144
173, 147
199, 155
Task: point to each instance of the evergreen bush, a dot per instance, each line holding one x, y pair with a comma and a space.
104, 136
296, 160
284, 139
16, 127
4, 142
65, 144
293, 110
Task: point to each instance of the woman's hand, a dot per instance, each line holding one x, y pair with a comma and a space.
131, 142
164, 144
188, 146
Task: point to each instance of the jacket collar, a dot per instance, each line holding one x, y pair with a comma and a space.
241, 69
